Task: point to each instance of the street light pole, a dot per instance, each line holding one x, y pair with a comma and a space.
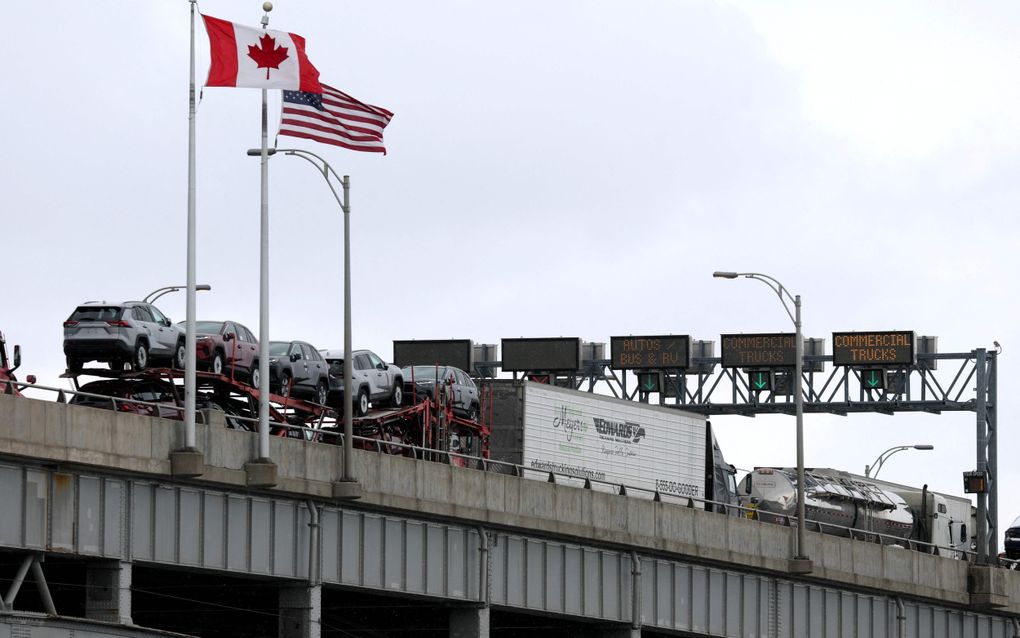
347, 488
799, 402
884, 456
800, 564
159, 292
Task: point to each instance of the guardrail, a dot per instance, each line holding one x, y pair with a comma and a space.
458, 459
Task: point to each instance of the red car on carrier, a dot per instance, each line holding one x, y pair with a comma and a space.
226, 347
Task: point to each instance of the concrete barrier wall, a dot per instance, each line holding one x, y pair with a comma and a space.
132, 443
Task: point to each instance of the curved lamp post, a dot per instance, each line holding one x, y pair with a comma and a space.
800, 564
159, 292
884, 456
323, 167
189, 344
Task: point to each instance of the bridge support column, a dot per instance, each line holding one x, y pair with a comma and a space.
469, 622
300, 611
108, 591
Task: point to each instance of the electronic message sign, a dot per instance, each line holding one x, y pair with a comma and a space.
759, 350
554, 354
444, 352
873, 348
650, 353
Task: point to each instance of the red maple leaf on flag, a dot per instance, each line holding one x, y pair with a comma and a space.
267, 55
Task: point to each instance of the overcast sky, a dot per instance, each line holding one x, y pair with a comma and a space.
572, 168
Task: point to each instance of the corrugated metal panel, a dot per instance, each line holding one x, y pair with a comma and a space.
550, 576
364, 549
115, 518
189, 533
238, 540
214, 530
36, 509
12, 491
285, 543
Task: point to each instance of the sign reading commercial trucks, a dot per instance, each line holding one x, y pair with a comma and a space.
759, 350
650, 353
612, 440
873, 348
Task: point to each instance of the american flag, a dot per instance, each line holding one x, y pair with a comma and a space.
334, 118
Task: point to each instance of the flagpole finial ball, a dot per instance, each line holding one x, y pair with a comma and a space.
267, 6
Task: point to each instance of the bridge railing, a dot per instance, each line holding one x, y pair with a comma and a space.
459, 459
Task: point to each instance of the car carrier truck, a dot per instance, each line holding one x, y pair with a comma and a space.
552, 431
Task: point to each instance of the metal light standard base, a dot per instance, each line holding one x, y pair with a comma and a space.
800, 563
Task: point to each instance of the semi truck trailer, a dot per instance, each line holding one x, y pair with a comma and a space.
546, 431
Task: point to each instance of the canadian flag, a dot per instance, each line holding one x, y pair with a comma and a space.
258, 58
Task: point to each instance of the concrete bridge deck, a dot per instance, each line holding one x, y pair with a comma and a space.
495, 539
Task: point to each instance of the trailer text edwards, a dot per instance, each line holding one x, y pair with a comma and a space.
547, 429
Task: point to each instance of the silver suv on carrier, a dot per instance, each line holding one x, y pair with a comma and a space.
131, 332
373, 380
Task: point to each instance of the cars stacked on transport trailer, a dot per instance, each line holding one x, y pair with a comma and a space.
373, 381
228, 348
131, 332
297, 367
424, 382
148, 397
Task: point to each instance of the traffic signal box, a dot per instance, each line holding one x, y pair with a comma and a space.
873, 379
761, 380
975, 482
649, 382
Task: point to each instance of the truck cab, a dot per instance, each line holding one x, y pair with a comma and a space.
7, 368
720, 479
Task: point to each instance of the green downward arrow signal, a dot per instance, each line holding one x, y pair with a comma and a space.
873, 380
760, 383
649, 385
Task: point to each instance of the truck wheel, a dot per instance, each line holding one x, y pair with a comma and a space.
140, 359
74, 365
180, 358
361, 405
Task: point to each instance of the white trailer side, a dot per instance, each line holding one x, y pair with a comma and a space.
600, 438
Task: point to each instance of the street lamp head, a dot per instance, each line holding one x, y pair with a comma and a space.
257, 152
725, 275
203, 287
924, 446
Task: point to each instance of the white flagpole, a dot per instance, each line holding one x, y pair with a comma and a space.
264, 279
189, 339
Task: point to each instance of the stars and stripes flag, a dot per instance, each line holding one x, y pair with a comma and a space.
333, 117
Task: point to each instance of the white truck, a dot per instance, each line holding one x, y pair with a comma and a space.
837, 502
548, 430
